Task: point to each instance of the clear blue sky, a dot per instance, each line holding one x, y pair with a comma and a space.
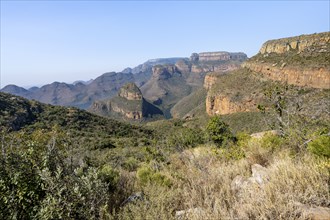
46, 41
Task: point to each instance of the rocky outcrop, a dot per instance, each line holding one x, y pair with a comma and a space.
313, 213
161, 72
223, 105
129, 104
243, 186
130, 92
214, 67
302, 60
217, 56
298, 43
209, 81
315, 78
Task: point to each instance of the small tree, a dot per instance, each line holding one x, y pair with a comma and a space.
219, 131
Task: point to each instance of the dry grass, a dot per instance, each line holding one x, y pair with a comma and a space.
202, 185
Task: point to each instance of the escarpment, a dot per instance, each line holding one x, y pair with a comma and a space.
302, 61
308, 77
299, 44
217, 56
237, 91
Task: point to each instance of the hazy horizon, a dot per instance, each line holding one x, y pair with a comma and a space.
47, 41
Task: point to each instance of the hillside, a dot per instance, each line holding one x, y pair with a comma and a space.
82, 95
128, 104
106, 86
260, 87
86, 129
171, 83
78, 95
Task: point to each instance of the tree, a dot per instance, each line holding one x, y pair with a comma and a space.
219, 131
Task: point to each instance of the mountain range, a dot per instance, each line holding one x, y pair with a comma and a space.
163, 81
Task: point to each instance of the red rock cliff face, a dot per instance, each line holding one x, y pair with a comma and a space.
302, 60
223, 105
314, 78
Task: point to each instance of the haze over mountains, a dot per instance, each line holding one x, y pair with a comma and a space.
163, 81
182, 87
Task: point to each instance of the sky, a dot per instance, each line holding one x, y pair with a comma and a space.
47, 41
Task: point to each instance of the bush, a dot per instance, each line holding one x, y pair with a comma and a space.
320, 146
148, 176
130, 164
219, 131
109, 176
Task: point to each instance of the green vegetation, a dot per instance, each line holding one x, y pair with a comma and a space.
312, 57
64, 163
193, 104
219, 131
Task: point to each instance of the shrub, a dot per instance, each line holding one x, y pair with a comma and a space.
148, 176
130, 164
108, 175
219, 131
320, 146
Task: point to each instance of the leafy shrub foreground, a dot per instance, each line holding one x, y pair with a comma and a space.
41, 177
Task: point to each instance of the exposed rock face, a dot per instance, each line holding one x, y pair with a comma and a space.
217, 56
223, 105
302, 60
315, 78
129, 104
299, 43
130, 92
220, 67
210, 80
161, 72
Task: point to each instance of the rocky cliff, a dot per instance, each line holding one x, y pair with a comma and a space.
217, 56
237, 91
308, 77
299, 44
129, 104
130, 92
303, 60
223, 105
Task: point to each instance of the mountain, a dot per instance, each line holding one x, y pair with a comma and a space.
16, 90
83, 82
143, 72
128, 104
82, 94
172, 82
189, 75
296, 70
79, 94
87, 129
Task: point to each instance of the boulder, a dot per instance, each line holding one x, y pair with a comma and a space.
313, 213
